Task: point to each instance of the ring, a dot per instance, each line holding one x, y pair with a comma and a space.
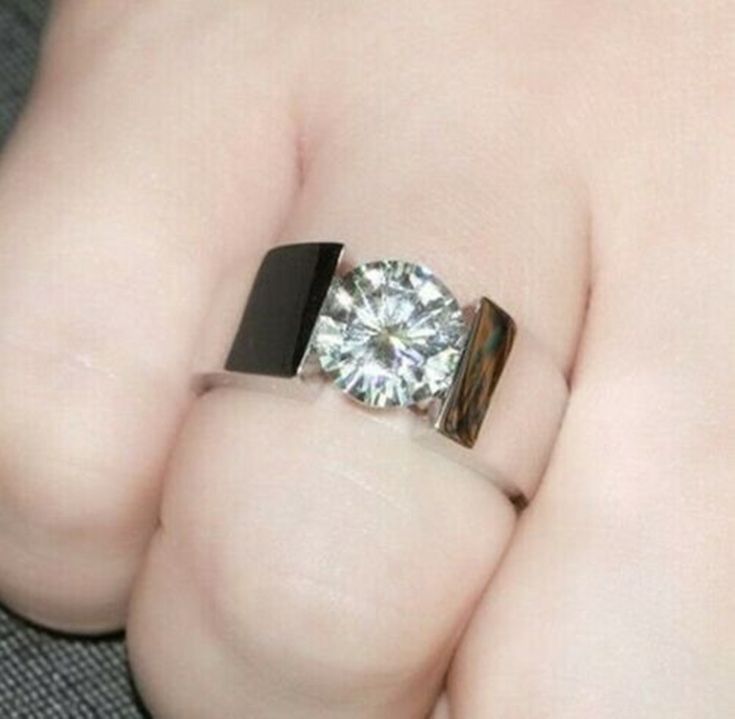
388, 333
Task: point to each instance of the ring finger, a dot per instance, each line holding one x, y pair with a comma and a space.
320, 563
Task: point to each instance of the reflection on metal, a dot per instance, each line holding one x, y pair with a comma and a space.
488, 346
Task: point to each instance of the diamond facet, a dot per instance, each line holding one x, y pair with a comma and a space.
390, 334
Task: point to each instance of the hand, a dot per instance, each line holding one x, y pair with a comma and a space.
573, 160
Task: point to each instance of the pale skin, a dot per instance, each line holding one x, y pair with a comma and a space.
572, 159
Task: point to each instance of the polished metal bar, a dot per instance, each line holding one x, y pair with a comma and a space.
488, 346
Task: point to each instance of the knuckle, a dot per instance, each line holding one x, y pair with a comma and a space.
71, 544
338, 627
68, 502
339, 641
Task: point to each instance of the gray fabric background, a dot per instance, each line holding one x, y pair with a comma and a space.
44, 676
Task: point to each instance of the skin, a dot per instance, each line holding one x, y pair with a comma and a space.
279, 558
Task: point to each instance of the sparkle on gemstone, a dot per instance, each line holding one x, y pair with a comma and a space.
389, 334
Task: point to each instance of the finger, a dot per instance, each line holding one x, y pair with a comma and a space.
616, 597
321, 563
618, 580
120, 210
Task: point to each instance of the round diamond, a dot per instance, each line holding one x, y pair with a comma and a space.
390, 333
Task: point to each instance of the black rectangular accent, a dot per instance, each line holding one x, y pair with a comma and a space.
284, 303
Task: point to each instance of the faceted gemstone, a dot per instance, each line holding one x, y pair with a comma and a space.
390, 334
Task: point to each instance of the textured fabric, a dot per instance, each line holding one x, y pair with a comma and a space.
20, 24
43, 675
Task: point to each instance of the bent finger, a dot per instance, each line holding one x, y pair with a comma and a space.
120, 210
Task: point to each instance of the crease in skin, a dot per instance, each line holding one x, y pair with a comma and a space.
353, 603
338, 472
394, 677
591, 271
86, 361
44, 531
120, 552
302, 160
69, 358
323, 592
442, 709
280, 686
400, 422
